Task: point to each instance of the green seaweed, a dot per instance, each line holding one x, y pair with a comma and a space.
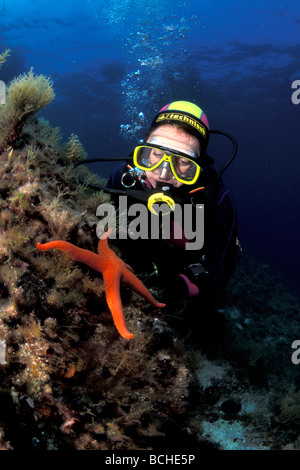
26, 95
3, 56
73, 151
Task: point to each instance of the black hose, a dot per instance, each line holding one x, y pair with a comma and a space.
234, 151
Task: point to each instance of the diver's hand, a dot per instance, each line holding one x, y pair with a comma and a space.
190, 288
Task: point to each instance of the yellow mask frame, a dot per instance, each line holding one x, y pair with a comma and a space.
169, 156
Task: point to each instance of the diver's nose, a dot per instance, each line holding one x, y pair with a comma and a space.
165, 172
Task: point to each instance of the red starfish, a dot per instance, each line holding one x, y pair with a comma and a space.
113, 270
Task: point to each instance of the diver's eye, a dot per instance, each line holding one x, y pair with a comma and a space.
158, 154
184, 162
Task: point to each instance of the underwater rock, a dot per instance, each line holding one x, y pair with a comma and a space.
75, 383
231, 406
68, 381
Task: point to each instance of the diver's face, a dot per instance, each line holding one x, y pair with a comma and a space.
173, 138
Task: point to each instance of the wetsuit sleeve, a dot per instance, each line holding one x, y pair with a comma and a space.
211, 269
220, 253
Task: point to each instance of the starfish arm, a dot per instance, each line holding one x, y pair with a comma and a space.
105, 251
58, 244
103, 248
129, 278
78, 254
129, 267
112, 291
113, 270
107, 254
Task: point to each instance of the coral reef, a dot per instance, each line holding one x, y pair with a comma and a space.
67, 379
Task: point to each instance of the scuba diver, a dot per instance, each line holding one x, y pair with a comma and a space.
173, 165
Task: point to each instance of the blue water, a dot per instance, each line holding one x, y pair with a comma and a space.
109, 61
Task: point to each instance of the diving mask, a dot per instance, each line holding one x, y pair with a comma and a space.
181, 165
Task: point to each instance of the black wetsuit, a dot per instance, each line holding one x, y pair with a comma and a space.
217, 256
